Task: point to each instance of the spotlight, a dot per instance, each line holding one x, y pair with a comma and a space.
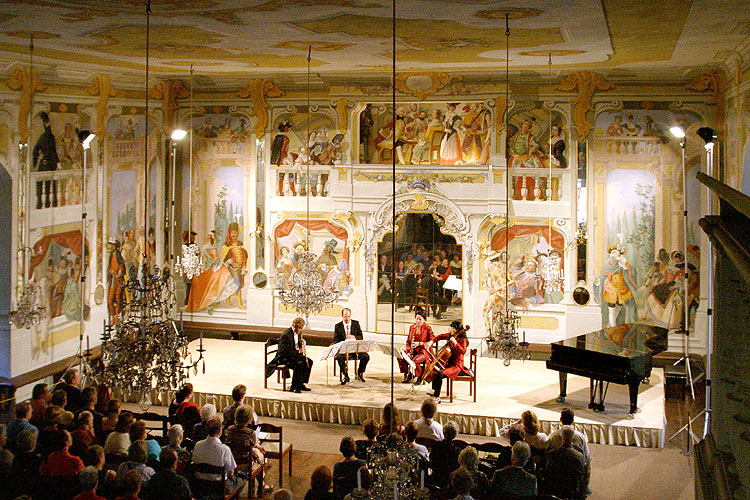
707, 134
677, 132
85, 137
178, 134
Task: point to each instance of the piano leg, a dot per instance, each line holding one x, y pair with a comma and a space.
633, 386
596, 402
563, 386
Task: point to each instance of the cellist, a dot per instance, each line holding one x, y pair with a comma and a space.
417, 347
455, 364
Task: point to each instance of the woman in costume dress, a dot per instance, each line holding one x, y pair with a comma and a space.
455, 364
451, 152
215, 283
417, 347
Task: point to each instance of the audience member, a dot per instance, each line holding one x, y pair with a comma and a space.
390, 421
94, 457
212, 451
238, 396
321, 481
428, 428
139, 432
60, 398
130, 486
167, 483
241, 438
88, 401
46, 438
370, 428
26, 463
176, 435
118, 442
109, 421
461, 483
60, 463
444, 456
69, 384
469, 460
137, 457
532, 436
345, 471
40, 397
89, 479
514, 479
564, 472
411, 436
83, 436
282, 494
6, 456
514, 433
183, 409
579, 441
365, 479
208, 411
21, 422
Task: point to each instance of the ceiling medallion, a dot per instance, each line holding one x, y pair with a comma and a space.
421, 85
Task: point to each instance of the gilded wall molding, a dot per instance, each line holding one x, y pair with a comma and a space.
169, 91
586, 82
27, 82
714, 82
257, 90
420, 85
101, 86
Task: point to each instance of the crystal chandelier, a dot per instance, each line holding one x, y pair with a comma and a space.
550, 272
306, 292
191, 262
395, 472
145, 349
29, 311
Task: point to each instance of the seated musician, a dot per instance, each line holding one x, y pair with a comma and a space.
417, 347
292, 353
454, 367
349, 329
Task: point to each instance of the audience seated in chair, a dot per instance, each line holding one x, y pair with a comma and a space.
60, 398
60, 462
83, 435
176, 435
88, 403
579, 442
321, 482
183, 411
428, 427
40, 399
26, 463
468, 459
238, 396
241, 437
114, 406
390, 422
118, 442
137, 456
6, 456
461, 483
565, 469
213, 452
130, 486
139, 432
515, 480
21, 422
345, 471
208, 411
107, 485
370, 428
166, 483
89, 479
444, 456
421, 450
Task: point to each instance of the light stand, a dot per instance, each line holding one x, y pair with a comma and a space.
176, 137
85, 137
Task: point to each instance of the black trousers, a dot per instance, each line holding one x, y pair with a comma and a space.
301, 367
362, 358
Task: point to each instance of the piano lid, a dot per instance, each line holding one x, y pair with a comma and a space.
627, 340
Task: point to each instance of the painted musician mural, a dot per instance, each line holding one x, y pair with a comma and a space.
417, 347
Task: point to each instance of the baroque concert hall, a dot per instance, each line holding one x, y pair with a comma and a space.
349, 249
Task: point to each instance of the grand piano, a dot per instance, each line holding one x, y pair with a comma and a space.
621, 354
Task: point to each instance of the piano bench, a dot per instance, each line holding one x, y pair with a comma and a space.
675, 379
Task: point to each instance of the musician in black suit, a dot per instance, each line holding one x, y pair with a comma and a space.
292, 354
349, 328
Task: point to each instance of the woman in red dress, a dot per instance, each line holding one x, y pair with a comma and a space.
455, 364
417, 347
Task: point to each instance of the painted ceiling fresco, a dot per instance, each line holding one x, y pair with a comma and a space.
227, 37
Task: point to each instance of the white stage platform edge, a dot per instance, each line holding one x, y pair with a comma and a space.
503, 394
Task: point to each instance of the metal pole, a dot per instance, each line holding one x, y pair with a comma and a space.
83, 264
686, 314
710, 298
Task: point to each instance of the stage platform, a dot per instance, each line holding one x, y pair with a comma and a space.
503, 394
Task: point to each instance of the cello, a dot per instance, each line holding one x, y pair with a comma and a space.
441, 358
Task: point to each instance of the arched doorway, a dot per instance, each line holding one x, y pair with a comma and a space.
425, 258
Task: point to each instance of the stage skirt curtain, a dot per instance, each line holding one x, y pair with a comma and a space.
286, 227
467, 424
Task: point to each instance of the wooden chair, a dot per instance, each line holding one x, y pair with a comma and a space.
471, 379
488, 455
282, 371
336, 364
156, 422
243, 457
275, 448
421, 299
426, 442
213, 487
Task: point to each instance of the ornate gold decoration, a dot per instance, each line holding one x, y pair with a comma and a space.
169, 91
587, 82
101, 86
316, 46
341, 111
420, 202
27, 82
423, 84
500, 106
714, 82
257, 90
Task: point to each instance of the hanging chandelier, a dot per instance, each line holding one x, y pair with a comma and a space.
190, 263
29, 309
306, 291
550, 271
502, 339
145, 349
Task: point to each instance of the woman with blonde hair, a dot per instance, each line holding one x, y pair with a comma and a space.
532, 436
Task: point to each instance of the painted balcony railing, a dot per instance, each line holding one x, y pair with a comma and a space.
622, 147
536, 184
61, 188
126, 150
292, 181
219, 146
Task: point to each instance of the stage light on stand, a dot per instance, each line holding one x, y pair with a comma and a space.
677, 132
178, 134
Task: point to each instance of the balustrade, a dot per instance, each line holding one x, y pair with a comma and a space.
628, 146
126, 150
61, 188
223, 147
536, 184
292, 180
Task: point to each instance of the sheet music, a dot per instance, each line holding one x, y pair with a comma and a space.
398, 352
348, 346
